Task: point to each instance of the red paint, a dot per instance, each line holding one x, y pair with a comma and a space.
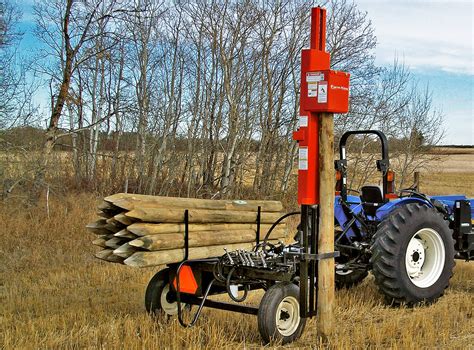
321, 90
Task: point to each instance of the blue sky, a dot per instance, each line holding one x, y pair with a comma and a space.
434, 39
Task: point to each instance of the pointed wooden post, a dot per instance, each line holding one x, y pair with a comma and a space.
326, 269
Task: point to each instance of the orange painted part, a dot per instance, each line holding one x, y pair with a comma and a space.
390, 183
187, 282
390, 176
338, 182
391, 196
318, 28
335, 85
308, 162
321, 90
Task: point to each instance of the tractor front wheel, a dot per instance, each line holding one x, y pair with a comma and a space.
279, 314
413, 255
347, 278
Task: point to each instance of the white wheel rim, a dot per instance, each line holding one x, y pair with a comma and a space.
425, 257
288, 316
169, 308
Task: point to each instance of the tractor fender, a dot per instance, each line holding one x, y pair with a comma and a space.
387, 208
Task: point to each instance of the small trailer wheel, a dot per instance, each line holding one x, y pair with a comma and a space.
279, 314
158, 298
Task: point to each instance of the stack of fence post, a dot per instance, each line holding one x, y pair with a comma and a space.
141, 230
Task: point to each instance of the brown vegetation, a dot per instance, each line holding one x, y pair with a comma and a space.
55, 294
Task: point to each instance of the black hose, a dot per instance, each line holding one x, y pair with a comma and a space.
227, 287
275, 224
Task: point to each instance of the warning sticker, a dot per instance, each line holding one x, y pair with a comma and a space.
303, 154
303, 121
312, 89
323, 92
314, 77
303, 165
303, 158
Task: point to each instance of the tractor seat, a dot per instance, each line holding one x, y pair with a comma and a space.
372, 199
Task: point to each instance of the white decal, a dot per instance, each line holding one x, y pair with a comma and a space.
303, 165
303, 121
314, 77
303, 154
303, 158
335, 87
323, 92
312, 89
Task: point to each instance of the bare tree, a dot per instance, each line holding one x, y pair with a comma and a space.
16, 90
67, 31
200, 97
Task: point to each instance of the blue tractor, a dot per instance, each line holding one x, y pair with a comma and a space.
409, 240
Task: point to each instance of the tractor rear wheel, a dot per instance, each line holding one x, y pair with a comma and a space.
413, 255
279, 314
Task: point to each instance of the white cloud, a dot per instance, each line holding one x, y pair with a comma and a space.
427, 34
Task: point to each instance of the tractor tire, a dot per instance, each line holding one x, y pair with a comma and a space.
413, 255
350, 278
279, 314
157, 296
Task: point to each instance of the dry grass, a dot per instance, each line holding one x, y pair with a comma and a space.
54, 294
452, 174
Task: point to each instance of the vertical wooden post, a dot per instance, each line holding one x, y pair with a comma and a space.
417, 180
326, 270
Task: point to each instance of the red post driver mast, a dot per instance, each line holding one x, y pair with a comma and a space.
322, 91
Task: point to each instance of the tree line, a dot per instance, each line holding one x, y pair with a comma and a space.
193, 98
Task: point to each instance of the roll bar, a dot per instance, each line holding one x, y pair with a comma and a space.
382, 164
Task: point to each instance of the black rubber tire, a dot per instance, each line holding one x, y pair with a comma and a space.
351, 279
153, 292
267, 313
389, 249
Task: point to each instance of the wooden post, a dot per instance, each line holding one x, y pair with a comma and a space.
326, 270
417, 180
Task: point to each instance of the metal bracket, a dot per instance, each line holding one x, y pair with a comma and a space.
382, 165
340, 164
316, 257
186, 235
257, 236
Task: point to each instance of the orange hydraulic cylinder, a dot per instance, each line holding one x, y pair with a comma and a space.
308, 159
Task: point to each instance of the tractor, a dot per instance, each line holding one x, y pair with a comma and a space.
409, 240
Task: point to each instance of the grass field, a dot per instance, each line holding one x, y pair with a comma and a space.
55, 294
